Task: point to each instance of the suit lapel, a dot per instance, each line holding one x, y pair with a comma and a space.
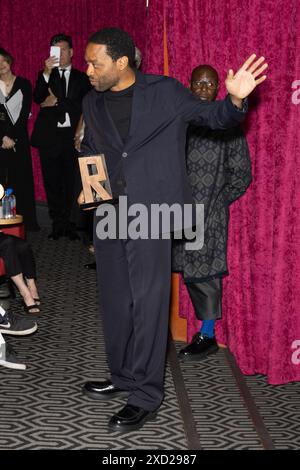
138, 107
55, 83
71, 84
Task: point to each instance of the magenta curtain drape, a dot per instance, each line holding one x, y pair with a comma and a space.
261, 296
27, 26
261, 320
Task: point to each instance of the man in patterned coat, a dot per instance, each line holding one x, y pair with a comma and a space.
219, 170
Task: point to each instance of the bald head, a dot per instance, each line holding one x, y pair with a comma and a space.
205, 82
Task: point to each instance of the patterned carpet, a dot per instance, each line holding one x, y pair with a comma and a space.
220, 415
43, 408
279, 407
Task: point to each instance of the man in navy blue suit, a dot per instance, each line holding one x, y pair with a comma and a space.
139, 123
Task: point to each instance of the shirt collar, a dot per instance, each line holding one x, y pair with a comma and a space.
67, 69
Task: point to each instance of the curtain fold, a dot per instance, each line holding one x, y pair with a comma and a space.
261, 298
260, 322
26, 29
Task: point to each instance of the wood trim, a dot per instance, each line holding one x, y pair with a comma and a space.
178, 326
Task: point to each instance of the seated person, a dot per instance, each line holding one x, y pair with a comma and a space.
20, 267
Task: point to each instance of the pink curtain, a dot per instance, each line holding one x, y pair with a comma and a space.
27, 26
261, 320
154, 55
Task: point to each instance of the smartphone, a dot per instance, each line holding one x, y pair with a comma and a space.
55, 51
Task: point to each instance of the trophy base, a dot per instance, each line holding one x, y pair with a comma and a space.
95, 204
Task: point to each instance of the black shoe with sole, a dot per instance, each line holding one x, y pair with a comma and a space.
200, 347
72, 234
130, 418
90, 266
55, 234
105, 390
33, 309
12, 325
9, 359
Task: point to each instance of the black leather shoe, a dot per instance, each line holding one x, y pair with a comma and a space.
200, 347
72, 234
130, 418
90, 266
55, 235
105, 390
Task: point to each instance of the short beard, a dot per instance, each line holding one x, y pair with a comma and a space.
106, 86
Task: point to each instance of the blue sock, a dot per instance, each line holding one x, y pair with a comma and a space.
207, 328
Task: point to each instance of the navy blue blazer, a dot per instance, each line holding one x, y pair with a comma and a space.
152, 160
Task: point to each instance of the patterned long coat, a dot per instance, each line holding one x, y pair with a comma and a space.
219, 171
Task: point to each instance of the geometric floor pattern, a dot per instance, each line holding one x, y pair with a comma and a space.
279, 406
222, 421
43, 408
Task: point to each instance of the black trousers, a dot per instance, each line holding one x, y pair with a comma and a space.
206, 298
59, 166
134, 279
17, 255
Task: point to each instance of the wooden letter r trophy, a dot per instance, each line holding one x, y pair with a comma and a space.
95, 181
